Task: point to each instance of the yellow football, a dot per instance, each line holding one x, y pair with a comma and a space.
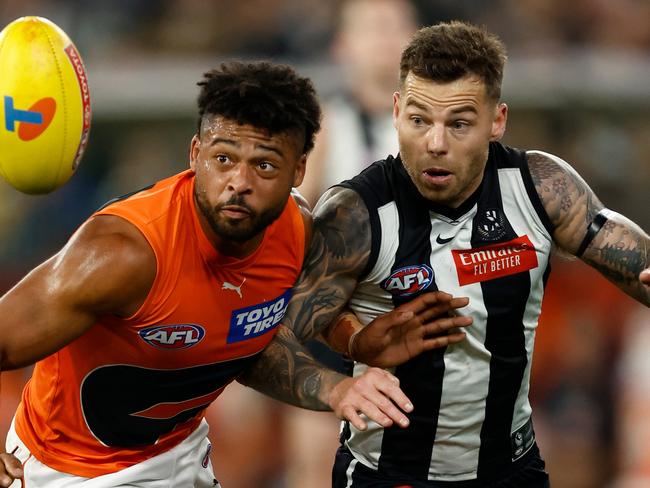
44, 105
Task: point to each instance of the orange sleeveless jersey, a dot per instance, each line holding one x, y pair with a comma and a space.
129, 389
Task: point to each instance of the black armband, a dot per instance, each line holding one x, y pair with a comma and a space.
594, 228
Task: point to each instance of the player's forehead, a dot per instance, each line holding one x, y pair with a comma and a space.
423, 93
217, 129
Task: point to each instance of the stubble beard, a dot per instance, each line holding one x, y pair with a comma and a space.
454, 195
238, 231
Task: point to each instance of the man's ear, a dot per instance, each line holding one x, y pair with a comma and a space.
299, 173
194, 150
499, 122
395, 108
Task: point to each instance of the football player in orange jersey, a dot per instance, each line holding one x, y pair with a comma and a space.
166, 295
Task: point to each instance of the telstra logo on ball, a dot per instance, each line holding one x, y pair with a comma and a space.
32, 122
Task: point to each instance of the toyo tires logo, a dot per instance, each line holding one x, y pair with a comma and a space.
250, 322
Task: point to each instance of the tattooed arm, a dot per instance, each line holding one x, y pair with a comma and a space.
339, 249
287, 372
337, 256
620, 250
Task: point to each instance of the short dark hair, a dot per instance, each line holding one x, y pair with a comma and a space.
451, 50
262, 94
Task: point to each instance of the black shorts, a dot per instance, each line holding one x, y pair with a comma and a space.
530, 475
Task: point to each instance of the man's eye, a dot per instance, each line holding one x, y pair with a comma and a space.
266, 166
222, 158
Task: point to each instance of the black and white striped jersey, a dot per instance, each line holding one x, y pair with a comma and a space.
472, 414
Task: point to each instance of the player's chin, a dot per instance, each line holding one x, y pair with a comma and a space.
238, 230
439, 194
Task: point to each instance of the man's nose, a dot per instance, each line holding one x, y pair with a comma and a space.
437, 140
240, 178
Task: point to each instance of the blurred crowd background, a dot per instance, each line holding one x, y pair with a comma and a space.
577, 86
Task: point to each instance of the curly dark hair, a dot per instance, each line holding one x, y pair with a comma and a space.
451, 50
265, 95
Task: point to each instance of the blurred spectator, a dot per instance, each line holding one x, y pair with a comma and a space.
298, 29
357, 122
634, 397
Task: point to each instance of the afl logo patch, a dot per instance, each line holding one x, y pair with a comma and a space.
408, 280
174, 336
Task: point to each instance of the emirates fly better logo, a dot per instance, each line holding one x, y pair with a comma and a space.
494, 261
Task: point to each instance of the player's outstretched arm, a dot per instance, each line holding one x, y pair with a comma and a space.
107, 267
287, 372
609, 242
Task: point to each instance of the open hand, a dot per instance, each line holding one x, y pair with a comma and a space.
425, 323
376, 394
10, 469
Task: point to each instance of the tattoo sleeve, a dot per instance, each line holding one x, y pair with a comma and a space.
287, 372
337, 255
619, 251
336, 258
